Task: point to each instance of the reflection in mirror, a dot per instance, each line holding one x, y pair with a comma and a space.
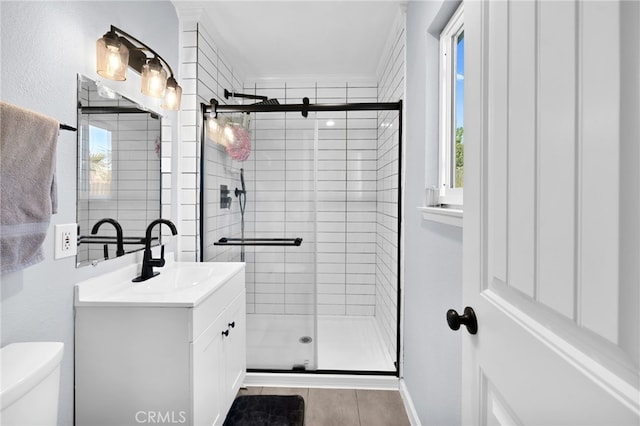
118, 173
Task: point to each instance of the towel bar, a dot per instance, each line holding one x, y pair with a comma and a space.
67, 127
99, 239
258, 242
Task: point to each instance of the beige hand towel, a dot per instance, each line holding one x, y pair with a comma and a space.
27, 189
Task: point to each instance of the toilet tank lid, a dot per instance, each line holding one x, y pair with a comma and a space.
24, 365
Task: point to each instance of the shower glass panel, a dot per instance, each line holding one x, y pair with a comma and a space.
357, 226
281, 322
331, 179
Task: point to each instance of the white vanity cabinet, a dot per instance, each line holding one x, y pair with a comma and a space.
175, 362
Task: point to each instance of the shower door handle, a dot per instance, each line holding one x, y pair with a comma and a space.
468, 318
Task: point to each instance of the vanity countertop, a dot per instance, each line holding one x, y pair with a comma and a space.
179, 284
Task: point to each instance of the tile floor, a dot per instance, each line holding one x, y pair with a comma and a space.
344, 407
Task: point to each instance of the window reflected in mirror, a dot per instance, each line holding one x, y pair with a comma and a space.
99, 169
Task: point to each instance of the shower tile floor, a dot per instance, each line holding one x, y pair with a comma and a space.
344, 343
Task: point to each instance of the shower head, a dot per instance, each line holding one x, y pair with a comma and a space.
268, 102
244, 188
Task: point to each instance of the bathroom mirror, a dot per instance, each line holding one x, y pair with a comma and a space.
118, 173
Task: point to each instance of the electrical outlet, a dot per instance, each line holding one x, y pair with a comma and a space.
66, 240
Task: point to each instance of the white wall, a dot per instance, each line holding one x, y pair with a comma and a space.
432, 252
44, 46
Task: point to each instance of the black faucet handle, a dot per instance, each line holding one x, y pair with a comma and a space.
159, 261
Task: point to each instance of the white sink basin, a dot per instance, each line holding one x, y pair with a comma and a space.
178, 284
175, 279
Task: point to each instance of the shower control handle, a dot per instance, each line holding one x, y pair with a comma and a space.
468, 319
225, 333
232, 324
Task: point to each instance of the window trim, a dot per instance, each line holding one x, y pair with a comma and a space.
447, 82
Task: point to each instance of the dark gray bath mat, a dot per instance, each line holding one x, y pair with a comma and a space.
266, 410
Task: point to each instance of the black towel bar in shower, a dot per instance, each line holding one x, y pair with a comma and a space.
258, 242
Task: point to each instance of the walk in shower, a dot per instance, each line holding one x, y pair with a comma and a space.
316, 219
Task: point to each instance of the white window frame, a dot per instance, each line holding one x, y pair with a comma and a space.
448, 37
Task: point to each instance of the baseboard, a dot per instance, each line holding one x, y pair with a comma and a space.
334, 381
408, 404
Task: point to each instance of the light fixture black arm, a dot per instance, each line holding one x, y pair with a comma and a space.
128, 36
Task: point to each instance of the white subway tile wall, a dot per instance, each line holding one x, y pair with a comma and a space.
189, 143
314, 178
204, 75
391, 89
166, 200
280, 204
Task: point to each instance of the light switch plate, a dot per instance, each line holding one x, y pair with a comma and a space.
66, 240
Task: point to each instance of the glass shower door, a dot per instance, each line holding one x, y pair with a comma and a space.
281, 284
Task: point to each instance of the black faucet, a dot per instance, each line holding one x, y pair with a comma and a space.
147, 261
119, 236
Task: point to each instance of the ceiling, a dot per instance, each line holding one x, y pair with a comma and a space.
284, 39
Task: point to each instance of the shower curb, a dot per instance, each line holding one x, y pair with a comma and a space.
334, 381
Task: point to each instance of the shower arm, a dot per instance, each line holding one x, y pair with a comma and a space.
228, 94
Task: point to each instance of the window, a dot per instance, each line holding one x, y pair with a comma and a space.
100, 172
452, 110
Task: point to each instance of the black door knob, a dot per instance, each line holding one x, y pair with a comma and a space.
468, 319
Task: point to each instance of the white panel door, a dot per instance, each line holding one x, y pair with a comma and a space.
551, 212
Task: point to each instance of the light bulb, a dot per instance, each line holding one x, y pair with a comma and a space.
172, 95
154, 78
112, 57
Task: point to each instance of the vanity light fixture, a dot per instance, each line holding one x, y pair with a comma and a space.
116, 51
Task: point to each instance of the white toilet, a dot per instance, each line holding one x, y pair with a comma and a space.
30, 382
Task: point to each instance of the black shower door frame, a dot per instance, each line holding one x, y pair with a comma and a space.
214, 107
